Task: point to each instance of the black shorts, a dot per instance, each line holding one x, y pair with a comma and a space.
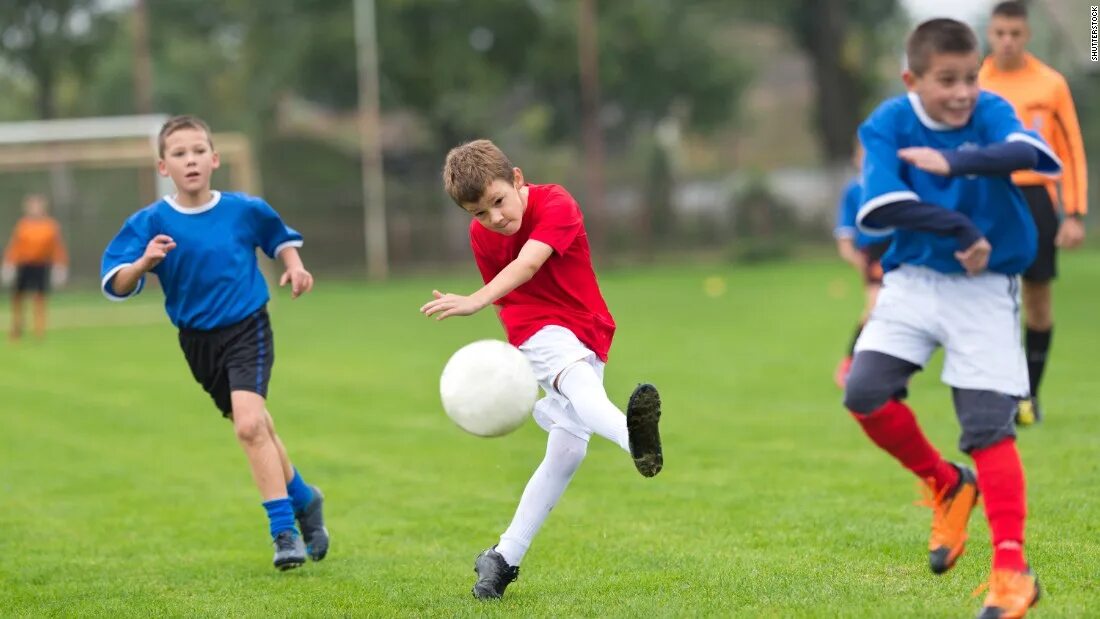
1045, 266
872, 270
32, 278
234, 358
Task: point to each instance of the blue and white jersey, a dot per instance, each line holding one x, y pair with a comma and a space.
992, 203
211, 278
846, 211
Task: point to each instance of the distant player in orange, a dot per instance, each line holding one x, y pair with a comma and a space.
34, 258
1044, 104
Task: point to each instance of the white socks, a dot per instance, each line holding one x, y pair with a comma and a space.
584, 388
564, 453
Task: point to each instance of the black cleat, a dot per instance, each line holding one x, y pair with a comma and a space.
643, 414
1028, 412
493, 575
312, 523
290, 551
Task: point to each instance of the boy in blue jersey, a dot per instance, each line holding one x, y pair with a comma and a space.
862, 251
202, 244
937, 171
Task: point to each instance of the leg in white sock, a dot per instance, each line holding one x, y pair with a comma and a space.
584, 389
564, 453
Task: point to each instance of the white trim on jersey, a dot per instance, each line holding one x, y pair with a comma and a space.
880, 201
923, 116
844, 232
1044, 149
195, 210
284, 245
107, 278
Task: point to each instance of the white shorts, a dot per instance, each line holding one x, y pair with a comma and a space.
551, 350
976, 320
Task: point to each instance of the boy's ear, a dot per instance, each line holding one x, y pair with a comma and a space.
162, 168
909, 78
217, 160
517, 178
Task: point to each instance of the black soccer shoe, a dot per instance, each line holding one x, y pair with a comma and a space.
493, 575
312, 523
290, 551
643, 414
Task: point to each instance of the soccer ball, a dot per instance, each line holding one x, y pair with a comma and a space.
488, 388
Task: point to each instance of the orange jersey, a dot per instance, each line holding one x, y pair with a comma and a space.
1044, 104
36, 240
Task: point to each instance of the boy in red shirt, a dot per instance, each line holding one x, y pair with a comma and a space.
532, 250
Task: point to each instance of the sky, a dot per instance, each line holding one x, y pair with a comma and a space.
964, 10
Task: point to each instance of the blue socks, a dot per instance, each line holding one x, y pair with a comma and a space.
280, 515
300, 493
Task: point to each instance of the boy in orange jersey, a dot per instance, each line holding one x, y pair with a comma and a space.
35, 258
1043, 102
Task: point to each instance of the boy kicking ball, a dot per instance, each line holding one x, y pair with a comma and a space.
531, 247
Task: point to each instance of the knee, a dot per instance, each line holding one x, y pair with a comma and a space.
986, 418
567, 458
251, 428
864, 397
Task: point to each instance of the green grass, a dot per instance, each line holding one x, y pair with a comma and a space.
122, 492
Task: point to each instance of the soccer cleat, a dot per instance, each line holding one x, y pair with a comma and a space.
951, 510
643, 415
840, 376
1028, 412
493, 575
312, 523
290, 551
1011, 594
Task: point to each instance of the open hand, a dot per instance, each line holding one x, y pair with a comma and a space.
156, 250
447, 305
300, 280
1070, 234
927, 159
975, 258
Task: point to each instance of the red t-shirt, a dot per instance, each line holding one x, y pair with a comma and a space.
563, 291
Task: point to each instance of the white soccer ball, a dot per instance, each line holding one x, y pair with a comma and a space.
488, 388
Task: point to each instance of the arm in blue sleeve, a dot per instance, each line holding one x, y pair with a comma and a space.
998, 159
919, 216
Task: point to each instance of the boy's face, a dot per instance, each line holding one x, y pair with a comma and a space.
188, 159
1008, 37
34, 206
501, 206
948, 90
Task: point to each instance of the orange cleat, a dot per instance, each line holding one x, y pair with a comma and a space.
1011, 594
951, 508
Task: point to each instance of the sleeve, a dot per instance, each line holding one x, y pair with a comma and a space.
60, 253
484, 264
882, 180
1000, 124
1071, 149
272, 235
846, 211
126, 248
559, 221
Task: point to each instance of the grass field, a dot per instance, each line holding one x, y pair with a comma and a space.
122, 492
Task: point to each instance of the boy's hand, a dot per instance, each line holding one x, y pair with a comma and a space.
1070, 234
7, 274
300, 280
155, 251
927, 159
447, 305
59, 276
975, 258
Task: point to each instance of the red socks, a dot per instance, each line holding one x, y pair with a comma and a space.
1001, 482
894, 428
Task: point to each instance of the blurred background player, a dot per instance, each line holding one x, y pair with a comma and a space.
35, 258
532, 250
937, 171
861, 250
201, 244
1044, 104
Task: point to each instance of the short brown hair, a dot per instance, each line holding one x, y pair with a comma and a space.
1011, 8
938, 36
471, 167
176, 123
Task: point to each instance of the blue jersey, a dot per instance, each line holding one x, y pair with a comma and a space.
992, 203
211, 278
846, 211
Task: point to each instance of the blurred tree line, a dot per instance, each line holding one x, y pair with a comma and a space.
451, 70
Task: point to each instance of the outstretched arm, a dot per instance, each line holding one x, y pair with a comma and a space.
300, 279
999, 159
518, 272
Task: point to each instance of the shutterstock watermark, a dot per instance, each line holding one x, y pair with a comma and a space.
1094, 32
